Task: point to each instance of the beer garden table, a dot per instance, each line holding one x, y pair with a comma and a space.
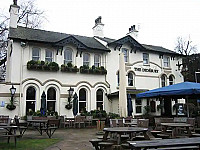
174, 126
128, 130
41, 124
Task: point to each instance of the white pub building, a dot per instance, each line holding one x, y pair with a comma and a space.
53, 62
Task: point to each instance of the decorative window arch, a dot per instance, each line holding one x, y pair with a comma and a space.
30, 99
86, 59
99, 99
130, 79
163, 80
36, 53
82, 100
51, 99
171, 79
68, 55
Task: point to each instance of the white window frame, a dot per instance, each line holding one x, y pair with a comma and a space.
97, 63
166, 61
171, 82
86, 96
126, 54
66, 57
129, 79
100, 101
138, 105
47, 58
145, 59
163, 80
31, 100
86, 62
53, 100
36, 57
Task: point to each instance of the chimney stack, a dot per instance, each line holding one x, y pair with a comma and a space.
133, 32
14, 12
98, 28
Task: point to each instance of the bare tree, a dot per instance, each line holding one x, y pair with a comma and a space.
185, 47
29, 16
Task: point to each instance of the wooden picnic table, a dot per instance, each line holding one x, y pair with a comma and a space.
178, 142
174, 127
122, 130
130, 124
41, 124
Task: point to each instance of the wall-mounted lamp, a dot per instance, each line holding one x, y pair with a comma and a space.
12, 91
69, 105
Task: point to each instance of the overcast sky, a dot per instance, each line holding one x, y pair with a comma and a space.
161, 21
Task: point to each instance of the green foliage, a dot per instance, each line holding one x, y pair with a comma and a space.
12, 104
93, 70
69, 68
113, 116
41, 65
29, 144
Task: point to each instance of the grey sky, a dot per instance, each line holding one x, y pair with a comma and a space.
161, 21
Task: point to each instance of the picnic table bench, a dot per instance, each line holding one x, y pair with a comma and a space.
181, 143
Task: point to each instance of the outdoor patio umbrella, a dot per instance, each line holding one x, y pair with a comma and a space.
75, 104
122, 87
43, 103
130, 106
182, 89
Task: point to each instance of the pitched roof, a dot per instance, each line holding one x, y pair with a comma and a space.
37, 35
147, 47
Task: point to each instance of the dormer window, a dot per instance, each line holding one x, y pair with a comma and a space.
145, 58
36, 53
97, 60
166, 61
67, 56
49, 56
125, 52
86, 59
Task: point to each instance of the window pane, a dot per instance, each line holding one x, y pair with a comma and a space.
30, 93
125, 51
138, 109
30, 106
67, 56
166, 61
97, 62
138, 102
99, 105
86, 59
35, 54
99, 95
82, 95
163, 80
130, 79
82, 107
51, 105
51, 94
145, 58
171, 80
49, 56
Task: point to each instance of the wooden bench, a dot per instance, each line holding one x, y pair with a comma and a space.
164, 144
95, 143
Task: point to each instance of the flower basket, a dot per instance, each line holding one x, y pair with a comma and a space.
68, 106
10, 107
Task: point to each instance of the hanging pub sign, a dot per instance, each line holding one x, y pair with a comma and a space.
146, 70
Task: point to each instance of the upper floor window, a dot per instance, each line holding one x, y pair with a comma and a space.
99, 99
166, 61
67, 56
145, 58
163, 80
130, 79
171, 80
125, 52
97, 60
36, 53
86, 59
49, 56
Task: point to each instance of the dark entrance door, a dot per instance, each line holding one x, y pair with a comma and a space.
167, 107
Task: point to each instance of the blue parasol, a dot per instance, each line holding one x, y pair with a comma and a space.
75, 104
43, 104
129, 105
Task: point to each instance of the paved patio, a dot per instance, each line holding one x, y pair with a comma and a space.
72, 139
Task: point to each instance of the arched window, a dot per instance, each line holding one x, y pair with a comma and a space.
99, 99
36, 53
48, 55
51, 99
82, 100
125, 51
153, 106
86, 59
163, 80
67, 56
171, 80
97, 60
130, 79
30, 99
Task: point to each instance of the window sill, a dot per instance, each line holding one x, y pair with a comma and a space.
167, 68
